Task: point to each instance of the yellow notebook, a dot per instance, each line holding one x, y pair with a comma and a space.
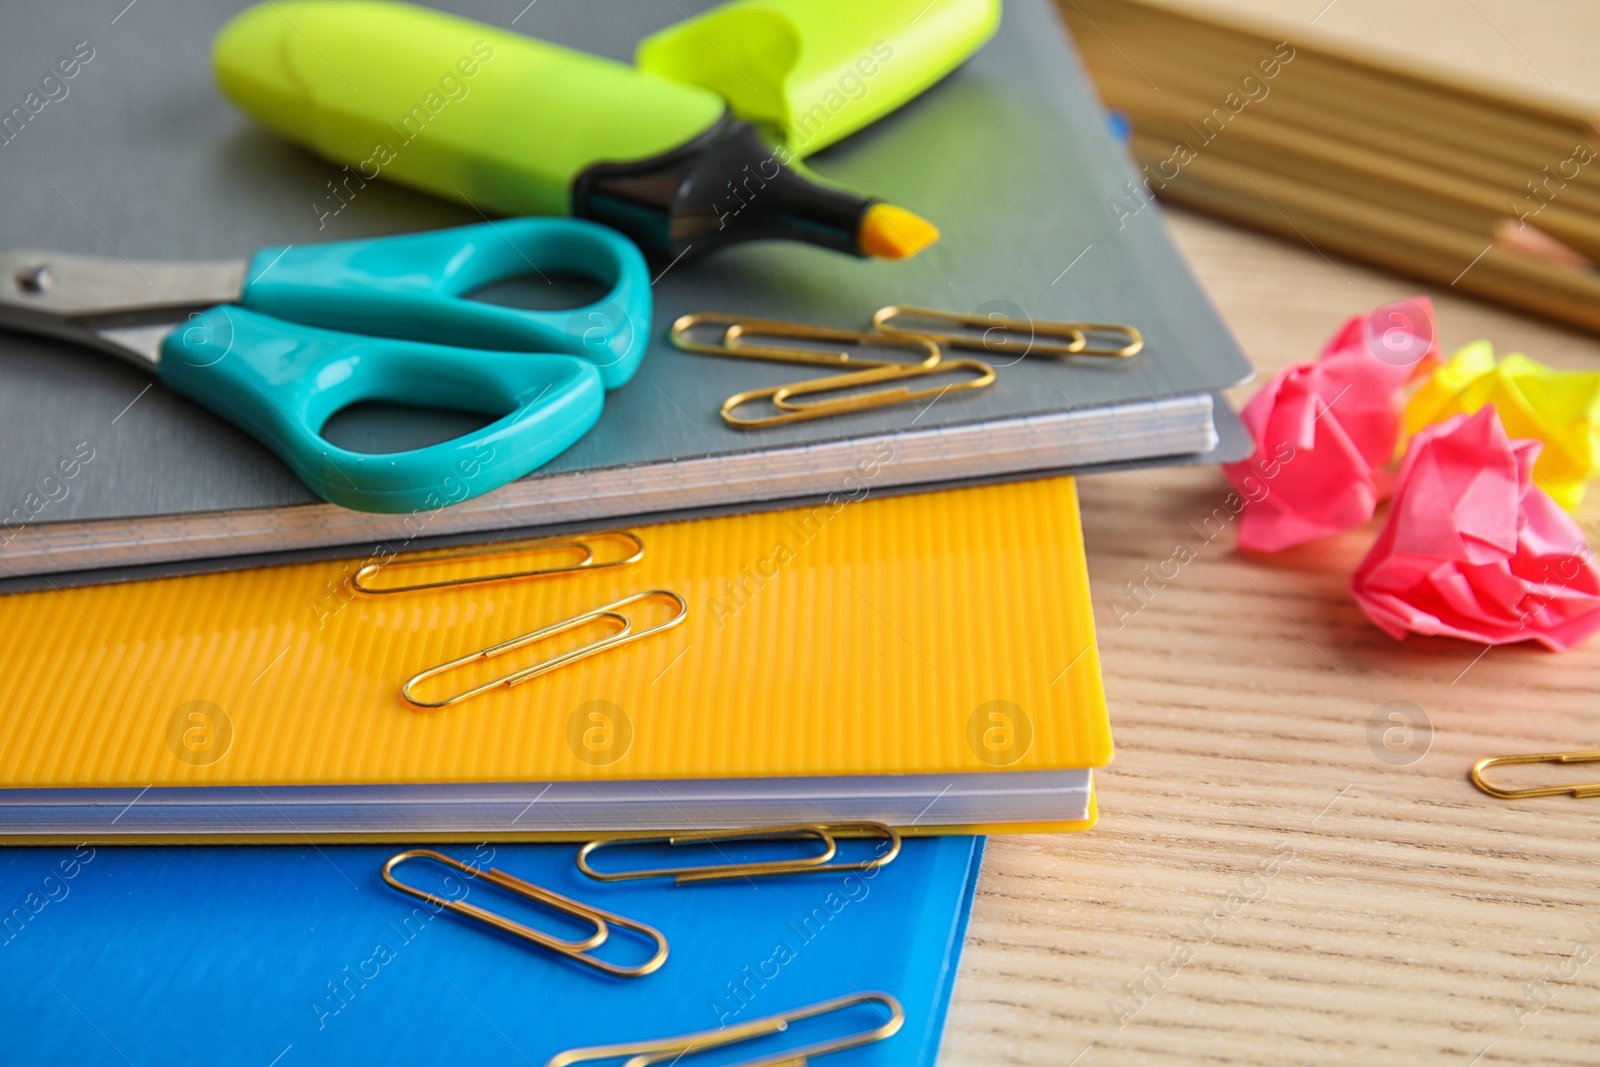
925, 660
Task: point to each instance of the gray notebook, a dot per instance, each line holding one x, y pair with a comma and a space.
1010, 156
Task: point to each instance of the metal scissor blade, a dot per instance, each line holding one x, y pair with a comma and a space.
109, 303
138, 344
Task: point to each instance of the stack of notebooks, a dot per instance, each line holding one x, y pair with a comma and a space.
887, 622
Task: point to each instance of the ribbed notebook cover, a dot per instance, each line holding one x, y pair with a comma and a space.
866, 638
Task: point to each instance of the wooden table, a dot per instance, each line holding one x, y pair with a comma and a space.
1270, 884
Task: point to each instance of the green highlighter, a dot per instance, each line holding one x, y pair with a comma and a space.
697, 147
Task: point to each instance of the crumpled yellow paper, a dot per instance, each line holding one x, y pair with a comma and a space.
1559, 408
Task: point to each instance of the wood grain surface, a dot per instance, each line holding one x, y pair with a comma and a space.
1270, 882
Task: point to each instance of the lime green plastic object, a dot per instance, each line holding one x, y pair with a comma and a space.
818, 70
458, 108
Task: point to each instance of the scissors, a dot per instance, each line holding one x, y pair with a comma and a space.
297, 334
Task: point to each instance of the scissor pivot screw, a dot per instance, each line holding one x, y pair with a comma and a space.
35, 280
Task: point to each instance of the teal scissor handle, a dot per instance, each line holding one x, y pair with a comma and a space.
281, 381
414, 286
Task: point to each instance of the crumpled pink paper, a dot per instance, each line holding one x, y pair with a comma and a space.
1473, 549
1325, 431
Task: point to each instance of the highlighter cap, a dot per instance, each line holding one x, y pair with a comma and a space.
816, 71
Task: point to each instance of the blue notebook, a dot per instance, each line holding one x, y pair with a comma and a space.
280, 957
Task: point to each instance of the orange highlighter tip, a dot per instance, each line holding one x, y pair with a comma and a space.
890, 232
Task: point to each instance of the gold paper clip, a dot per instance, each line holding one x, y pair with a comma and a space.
866, 372
860, 370
1003, 334
1582, 792
602, 921
735, 328
1132, 340
580, 544
607, 612
824, 834
667, 1049
734, 342
790, 411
